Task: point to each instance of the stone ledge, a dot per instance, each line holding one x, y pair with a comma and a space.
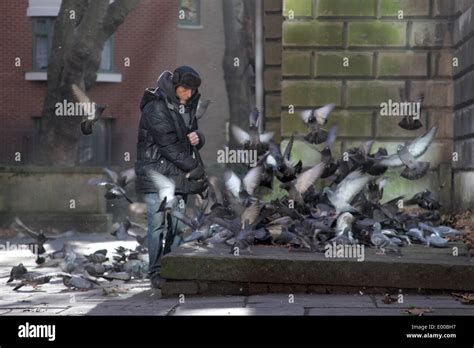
81, 222
419, 268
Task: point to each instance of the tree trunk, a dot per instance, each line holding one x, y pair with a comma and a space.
239, 24
80, 32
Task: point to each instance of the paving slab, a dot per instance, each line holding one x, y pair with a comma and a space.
420, 302
312, 301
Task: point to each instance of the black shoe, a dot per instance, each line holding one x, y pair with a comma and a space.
156, 281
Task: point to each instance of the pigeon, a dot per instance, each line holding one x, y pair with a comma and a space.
375, 190
39, 237
92, 110
123, 231
123, 276
166, 190
410, 122
424, 200
313, 119
440, 231
298, 187
417, 234
17, 272
381, 241
115, 184
344, 222
346, 191
98, 256
95, 269
79, 282
35, 279
199, 226
242, 190
326, 155
253, 139
406, 156
436, 241
281, 165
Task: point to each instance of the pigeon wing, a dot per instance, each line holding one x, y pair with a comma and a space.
322, 113
251, 213
252, 179
266, 137
232, 183
352, 185
240, 135
111, 174
419, 146
307, 178
164, 185
305, 115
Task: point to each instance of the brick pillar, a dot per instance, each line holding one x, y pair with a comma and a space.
272, 22
464, 106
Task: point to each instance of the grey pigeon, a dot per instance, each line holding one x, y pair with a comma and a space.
424, 200
346, 190
17, 272
303, 182
381, 241
406, 156
410, 122
313, 119
166, 190
97, 257
79, 282
39, 237
92, 110
115, 184
242, 190
35, 279
253, 139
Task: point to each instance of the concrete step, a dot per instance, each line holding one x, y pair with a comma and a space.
193, 269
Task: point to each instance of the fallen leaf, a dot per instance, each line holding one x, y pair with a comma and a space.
418, 311
387, 299
464, 298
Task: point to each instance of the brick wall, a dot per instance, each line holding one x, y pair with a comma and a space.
272, 28
385, 53
464, 106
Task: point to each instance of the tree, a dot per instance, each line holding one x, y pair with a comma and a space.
80, 32
239, 31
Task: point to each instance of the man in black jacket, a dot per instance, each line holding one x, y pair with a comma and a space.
167, 132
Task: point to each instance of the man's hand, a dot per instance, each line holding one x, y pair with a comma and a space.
193, 138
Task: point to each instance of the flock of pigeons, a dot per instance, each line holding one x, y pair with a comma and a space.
348, 210
81, 272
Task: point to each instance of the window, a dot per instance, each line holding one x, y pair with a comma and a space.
43, 28
42, 42
106, 61
189, 13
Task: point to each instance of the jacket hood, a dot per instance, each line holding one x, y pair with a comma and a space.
164, 90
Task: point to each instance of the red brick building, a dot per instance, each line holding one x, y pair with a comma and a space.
152, 39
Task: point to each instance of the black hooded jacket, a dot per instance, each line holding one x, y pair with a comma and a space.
162, 142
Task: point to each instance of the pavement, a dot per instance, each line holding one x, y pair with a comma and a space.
137, 298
